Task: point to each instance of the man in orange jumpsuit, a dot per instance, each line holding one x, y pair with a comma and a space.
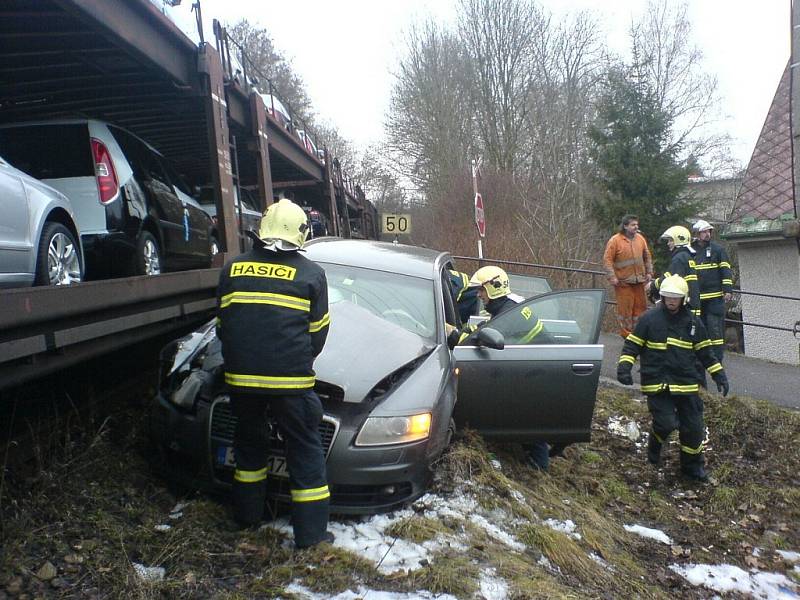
629, 264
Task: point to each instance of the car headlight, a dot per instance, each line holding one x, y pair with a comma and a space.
379, 431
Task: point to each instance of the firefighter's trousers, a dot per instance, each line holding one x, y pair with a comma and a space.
684, 413
631, 303
298, 418
713, 315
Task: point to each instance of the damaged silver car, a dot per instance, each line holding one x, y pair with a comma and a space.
392, 390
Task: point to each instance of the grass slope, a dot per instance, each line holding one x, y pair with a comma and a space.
75, 525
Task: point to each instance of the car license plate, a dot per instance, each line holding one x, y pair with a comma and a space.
225, 456
276, 465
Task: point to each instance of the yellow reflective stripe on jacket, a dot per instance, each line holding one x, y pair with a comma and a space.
250, 476
710, 295
695, 312
714, 368
533, 332
692, 277
635, 339
690, 450
265, 298
270, 382
311, 495
653, 387
628, 262
727, 282
656, 345
679, 343
702, 266
717, 342
703, 344
672, 387
626, 358
725, 263
687, 389
315, 326
464, 285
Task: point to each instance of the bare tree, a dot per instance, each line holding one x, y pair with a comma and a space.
555, 196
499, 36
429, 123
286, 84
667, 59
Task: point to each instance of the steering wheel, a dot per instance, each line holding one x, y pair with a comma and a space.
398, 314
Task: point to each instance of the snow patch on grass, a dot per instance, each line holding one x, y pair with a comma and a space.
729, 578
647, 532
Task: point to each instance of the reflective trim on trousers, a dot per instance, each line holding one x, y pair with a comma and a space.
250, 476
312, 495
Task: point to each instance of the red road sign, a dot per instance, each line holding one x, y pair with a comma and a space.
480, 217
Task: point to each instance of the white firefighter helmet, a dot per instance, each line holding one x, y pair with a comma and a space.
701, 225
492, 279
284, 221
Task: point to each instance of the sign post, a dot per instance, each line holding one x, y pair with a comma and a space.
480, 215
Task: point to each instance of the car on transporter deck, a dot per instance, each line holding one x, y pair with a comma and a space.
386, 361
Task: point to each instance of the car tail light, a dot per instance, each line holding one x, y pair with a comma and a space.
107, 182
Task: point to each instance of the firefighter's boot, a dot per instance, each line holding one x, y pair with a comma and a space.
248, 502
310, 523
654, 446
693, 467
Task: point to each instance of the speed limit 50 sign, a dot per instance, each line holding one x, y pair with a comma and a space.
395, 224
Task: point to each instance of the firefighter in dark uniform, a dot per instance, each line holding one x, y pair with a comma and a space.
466, 298
682, 263
494, 291
668, 340
273, 321
716, 284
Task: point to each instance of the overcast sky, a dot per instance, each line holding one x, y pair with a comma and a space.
346, 51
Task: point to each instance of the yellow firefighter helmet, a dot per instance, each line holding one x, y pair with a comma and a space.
492, 279
284, 220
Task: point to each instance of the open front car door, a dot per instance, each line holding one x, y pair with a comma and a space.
542, 388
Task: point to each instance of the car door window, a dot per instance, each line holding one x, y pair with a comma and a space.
176, 179
450, 312
534, 390
528, 286
567, 317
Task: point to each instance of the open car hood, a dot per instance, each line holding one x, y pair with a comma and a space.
362, 349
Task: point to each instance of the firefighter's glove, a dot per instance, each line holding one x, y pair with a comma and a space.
624, 374
722, 382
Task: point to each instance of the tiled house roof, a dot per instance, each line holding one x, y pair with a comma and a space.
766, 192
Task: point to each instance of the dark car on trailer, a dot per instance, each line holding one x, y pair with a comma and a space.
134, 212
393, 392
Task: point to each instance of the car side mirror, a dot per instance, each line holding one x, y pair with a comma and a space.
490, 338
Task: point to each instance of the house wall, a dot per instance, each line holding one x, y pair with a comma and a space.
771, 267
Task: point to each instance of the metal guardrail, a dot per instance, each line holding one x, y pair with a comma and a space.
43, 329
795, 329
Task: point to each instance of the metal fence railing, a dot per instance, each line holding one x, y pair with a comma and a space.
237, 65
594, 273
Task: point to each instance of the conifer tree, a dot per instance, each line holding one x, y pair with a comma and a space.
636, 168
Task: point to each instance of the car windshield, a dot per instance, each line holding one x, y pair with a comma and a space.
405, 301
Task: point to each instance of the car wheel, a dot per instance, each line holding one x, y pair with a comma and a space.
148, 255
58, 257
